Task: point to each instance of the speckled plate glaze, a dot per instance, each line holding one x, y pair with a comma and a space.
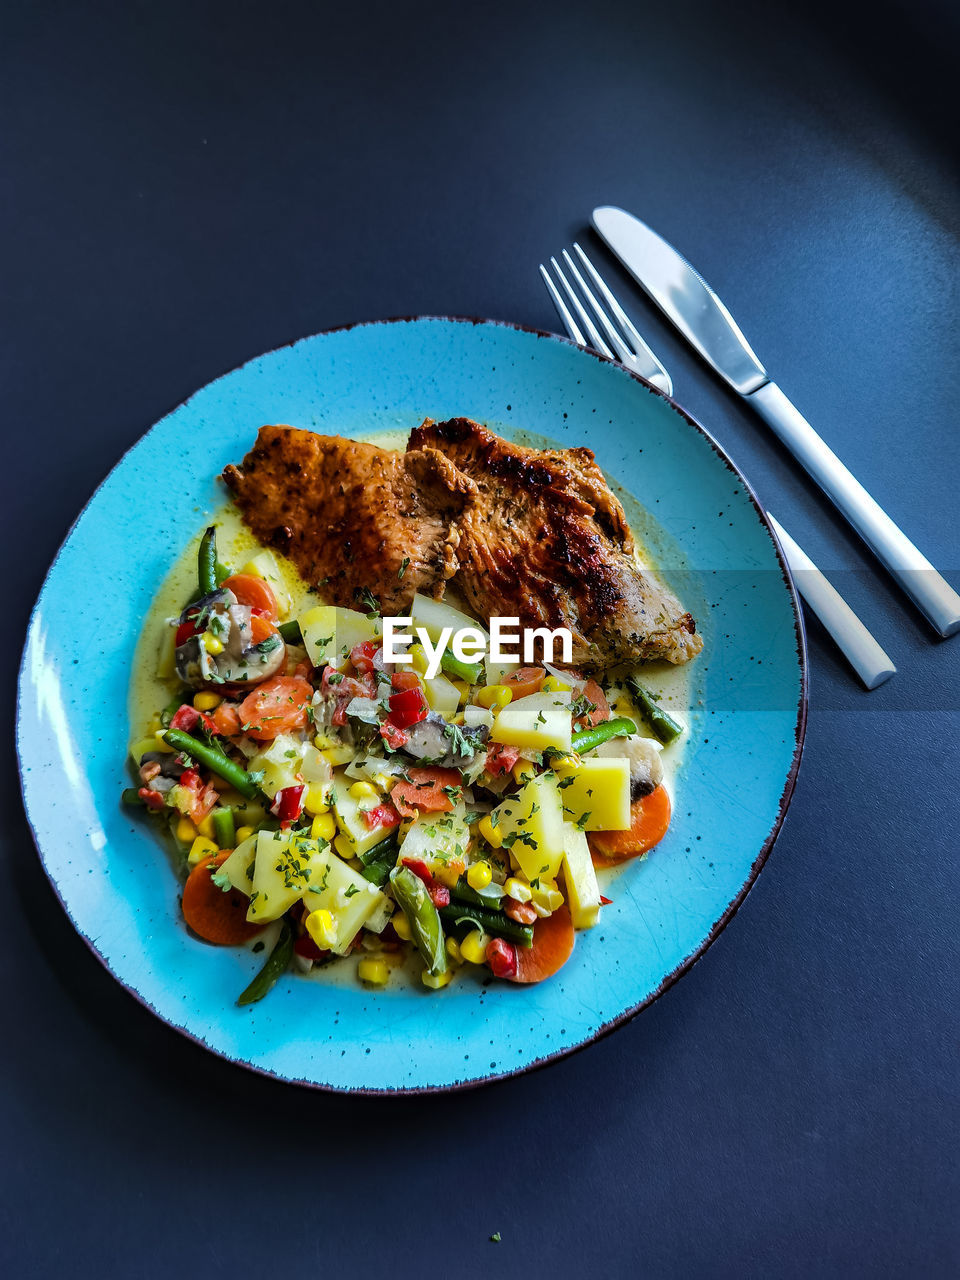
738, 773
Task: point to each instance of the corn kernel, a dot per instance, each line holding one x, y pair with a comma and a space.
213, 644
322, 928
420, 660
364, 791
337, 755
323, 827
186, 831
374, 970
401, 926
517, 890
436, 980
244, 833
206, 701
473, 948
385, 781
200, 849
553, 685
206, 828
523, 771
453, 950
479, 875
315, 801
489, 831
494, 697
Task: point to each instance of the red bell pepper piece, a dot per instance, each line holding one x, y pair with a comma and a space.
381, 815
288, 803
361, 655
152, 799
408, 707
392, 736
439, 893
502, 958
500, 759
187, 718
306, 947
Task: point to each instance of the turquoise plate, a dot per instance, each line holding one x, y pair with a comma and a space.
733, 789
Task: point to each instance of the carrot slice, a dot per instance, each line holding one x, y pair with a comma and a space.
552, 945
601, 707
255, 592
226, 717
425, 791
276, 706
649, 820
216, 916
525, 681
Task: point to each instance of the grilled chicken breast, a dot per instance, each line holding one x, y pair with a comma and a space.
351, 515
545, 540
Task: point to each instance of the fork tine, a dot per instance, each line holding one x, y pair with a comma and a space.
639, 346
614, 338
591, 328
568, 321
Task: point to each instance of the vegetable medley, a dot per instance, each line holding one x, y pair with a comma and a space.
375, 812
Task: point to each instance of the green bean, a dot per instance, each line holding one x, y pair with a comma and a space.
291, 631
417, 905
276, 965
215, 761
378, 862
130, 795
207, 561
469, 671
496, 923
224, 827
587, 739
663, 725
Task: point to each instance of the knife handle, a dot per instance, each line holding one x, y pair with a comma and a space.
928, 589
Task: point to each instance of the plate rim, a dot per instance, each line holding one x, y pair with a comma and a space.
685, 965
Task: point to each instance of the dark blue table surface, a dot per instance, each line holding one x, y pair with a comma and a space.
186, 186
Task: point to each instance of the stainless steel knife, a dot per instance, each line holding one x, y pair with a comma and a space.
701, 317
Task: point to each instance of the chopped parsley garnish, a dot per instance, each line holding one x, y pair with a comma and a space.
403, 568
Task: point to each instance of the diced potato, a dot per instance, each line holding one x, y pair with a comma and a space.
596, 793
434, 615
440, 840
264, 565
530, 825
318, 627
239, 866
349, 811
351, 900
287, 864
279, 762
536, 722
354, 628
442, 695
580, 878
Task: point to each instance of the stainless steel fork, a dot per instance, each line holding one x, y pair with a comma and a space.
623, 343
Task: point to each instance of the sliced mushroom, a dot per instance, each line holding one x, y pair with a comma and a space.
451, 746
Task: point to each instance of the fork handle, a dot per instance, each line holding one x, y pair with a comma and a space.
928, 589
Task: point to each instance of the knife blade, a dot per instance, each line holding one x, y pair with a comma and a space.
689, 302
